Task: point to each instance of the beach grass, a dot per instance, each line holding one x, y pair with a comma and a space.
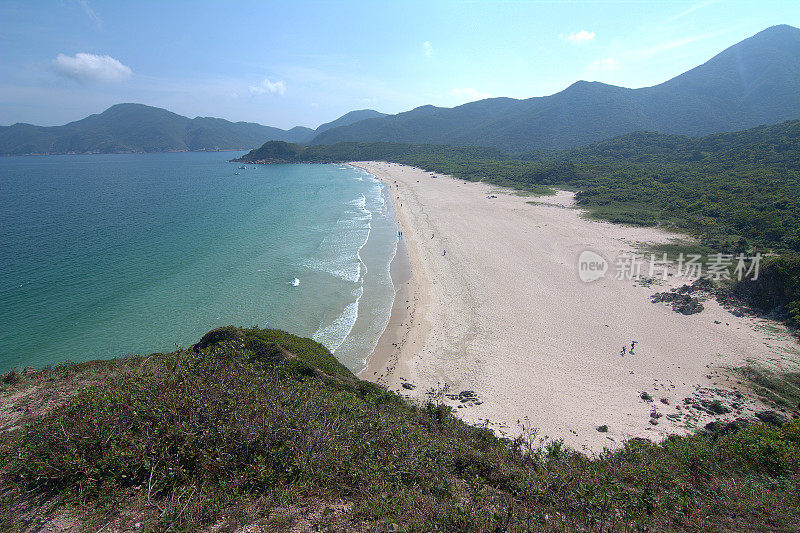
781, 389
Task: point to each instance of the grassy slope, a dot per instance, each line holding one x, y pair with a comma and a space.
259, 426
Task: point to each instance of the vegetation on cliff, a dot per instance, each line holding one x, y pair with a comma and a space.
261, 427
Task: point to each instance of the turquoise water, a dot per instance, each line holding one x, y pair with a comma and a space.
106, 255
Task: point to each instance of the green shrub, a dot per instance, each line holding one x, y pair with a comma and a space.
195, 438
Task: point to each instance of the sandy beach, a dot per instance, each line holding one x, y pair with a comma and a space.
494, 305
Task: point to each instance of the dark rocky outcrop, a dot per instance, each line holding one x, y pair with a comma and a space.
681, 303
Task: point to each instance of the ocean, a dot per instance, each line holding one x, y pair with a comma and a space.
110, 255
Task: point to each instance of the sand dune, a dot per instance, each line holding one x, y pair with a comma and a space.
495, 305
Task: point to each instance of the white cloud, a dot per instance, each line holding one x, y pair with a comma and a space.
579, 38
267, 86
469, 94
692, 9
90, 12
645, 53
428, 47
608, 63
91, 67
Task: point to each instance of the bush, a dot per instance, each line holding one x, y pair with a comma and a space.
194, 438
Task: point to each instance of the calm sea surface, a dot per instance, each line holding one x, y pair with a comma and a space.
106, 255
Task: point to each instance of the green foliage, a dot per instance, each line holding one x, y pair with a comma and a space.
776, 288
313, 354
734, 190
276, 152
783, 390
182, 440
11, 377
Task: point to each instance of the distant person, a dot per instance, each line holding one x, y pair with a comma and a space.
624, 350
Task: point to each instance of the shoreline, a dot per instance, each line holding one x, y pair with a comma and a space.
502, 327
365, 318
383, 358
381, 362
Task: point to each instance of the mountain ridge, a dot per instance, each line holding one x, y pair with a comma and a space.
131, 127
751, 83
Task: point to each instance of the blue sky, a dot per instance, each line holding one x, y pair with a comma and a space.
305, 63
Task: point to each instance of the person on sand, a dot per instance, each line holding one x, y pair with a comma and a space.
444, 252
624, 350
633, 345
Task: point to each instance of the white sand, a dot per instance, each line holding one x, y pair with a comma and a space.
505, 314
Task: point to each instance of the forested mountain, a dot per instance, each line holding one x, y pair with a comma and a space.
141, 128
349, 118
754, 82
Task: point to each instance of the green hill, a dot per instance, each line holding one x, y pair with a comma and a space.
263, 430
141, 128
754, 82
349, 118
282, 152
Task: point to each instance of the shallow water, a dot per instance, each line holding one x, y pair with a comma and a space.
105, 255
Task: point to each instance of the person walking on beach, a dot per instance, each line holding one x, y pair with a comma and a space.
624, 350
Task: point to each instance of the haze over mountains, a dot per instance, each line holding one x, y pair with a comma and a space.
141, 128
754, 82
